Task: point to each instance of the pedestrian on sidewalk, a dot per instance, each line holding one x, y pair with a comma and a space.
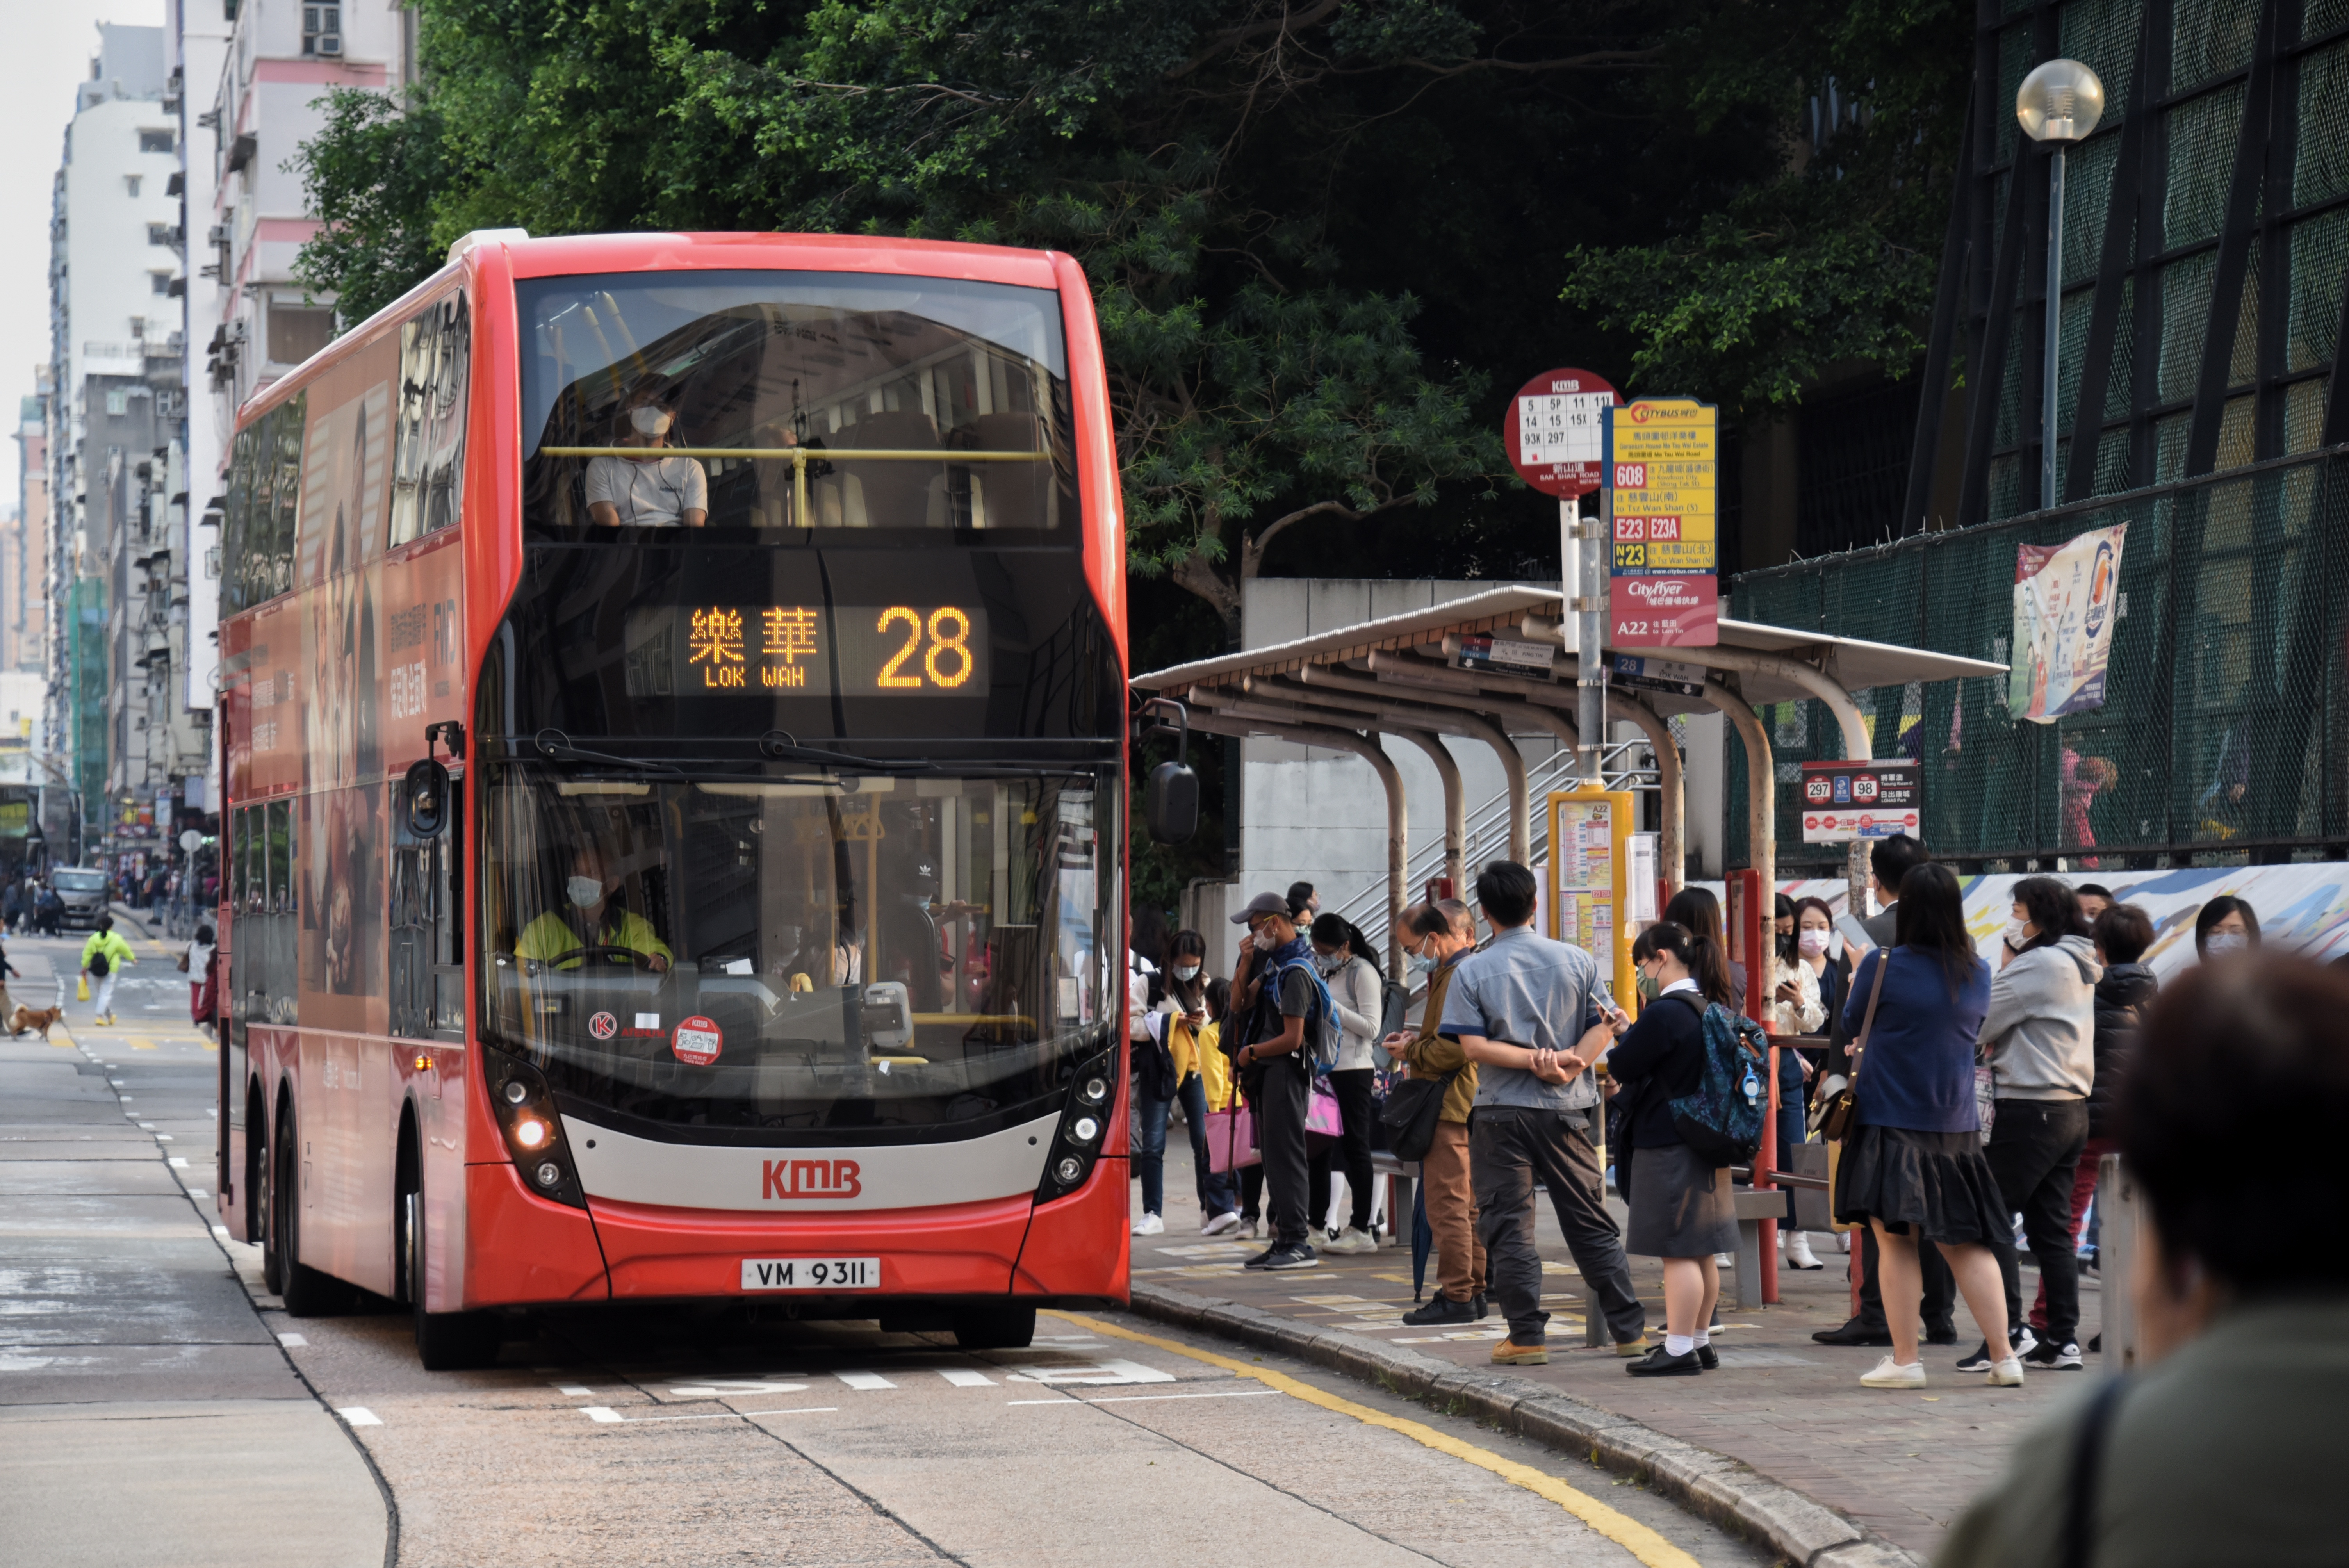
1683, 1210
103, 957
1912, 1166
1436, 937
1830, 979
1526, 1011
1889, 861
2225, 925
2225, 1445
2039, 1038
1346, 960
1277, 995
203, 965
1182, 1049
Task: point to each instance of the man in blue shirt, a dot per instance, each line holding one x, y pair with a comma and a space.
1525, 1012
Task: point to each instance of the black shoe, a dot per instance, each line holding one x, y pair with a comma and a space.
1941, 1334
1292, 1255
1979, 1361
2019, 1342
1854, 1331
1708, 1358
1483, 1307
1262, 1258
2097, 1345
1659, 1363
2055, 1358
1442, 1309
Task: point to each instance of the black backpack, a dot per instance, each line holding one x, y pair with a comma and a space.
98, 966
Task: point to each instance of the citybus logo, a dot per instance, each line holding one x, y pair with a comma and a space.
809, 1179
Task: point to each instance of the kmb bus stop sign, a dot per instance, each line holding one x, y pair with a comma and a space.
1558, 434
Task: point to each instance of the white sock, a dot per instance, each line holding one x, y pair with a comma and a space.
1704, 1336
1677, 1345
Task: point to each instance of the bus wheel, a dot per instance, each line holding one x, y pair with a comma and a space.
307, 1291
994, 1327
445, 1341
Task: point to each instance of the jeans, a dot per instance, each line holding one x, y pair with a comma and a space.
1354, 1087
1149, 1150
2034, 1149
1280, 1104
1512, 1148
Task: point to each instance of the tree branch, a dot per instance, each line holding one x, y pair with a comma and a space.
1233, 38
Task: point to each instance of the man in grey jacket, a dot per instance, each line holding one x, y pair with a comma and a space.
2040, 1035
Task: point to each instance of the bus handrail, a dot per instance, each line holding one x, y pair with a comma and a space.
800, 457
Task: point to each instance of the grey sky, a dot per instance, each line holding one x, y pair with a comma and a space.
49, 47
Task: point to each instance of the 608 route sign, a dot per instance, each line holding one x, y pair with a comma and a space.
1557, 431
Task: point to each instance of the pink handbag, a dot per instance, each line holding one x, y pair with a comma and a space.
1322, 1120
1231, 1139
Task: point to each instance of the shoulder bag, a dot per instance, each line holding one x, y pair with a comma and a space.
1414, 1107
1832, 1120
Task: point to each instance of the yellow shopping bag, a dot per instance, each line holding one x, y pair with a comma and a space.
81, 989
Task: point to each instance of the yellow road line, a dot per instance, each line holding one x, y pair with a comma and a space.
1634, 1537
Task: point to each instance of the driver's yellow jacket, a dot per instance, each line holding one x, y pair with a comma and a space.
552, 936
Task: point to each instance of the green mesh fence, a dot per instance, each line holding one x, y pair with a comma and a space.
2221, 734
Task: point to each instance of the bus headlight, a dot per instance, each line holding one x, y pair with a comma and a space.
1093, 1089
524, 1107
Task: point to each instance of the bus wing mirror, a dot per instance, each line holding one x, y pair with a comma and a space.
428, 800
1170, 797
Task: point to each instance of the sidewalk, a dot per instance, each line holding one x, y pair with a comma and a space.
1900, 1465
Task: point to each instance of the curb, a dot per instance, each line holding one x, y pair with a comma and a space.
1725, 1490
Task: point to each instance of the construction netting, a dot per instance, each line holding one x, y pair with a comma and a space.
2221, 735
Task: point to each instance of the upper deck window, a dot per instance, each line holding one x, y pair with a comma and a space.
791, 400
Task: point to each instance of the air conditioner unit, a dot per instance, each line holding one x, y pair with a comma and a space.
329, 43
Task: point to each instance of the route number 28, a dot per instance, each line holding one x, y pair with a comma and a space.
947, 662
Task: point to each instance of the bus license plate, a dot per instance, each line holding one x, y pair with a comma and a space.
811, 1273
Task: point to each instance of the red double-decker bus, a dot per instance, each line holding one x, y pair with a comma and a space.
673, 711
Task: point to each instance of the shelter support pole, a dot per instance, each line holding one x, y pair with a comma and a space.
1398, 830
1857, 745
1589, 587
1473, 716
1455, 807
1671, 839
1761, 781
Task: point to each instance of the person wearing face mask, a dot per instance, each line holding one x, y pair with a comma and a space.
1281, 1006
1341, 952
1436, 937
650, 491
590, 920
1805, 990
2226, 924
1178, 1027
2039, 1037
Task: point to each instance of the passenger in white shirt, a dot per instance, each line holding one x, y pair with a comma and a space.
647, 491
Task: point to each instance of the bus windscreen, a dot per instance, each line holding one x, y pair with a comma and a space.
793, 400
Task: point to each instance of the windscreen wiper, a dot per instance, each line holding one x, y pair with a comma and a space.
554, 743
783, 747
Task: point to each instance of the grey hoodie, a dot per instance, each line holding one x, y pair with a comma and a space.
2040, 1034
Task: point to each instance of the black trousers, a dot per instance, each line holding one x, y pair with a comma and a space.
1511, 1150
1280, 1103
2034, 1149
1941, 1294
1351, 1154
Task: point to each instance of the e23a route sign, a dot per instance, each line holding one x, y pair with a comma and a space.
1663, 477
1556, 432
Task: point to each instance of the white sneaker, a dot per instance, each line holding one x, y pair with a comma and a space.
1221, 1222
1798, 1252
1353, 1241
1843, 1240
1149, 1225
2007, 1373
1889, 1374
1726, 1260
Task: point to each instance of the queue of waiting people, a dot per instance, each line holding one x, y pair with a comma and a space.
1978, 1101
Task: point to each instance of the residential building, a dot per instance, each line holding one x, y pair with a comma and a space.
25, 540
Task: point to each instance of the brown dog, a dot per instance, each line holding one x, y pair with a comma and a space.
40, 1018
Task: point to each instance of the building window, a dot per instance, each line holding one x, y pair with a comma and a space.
117, 402
158, 233
130, 183
160, 281
322, 29
155, 141
296, 333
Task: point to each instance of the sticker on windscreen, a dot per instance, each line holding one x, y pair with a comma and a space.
602, 1026
697, 1041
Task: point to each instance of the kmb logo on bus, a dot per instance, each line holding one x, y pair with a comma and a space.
809, 1179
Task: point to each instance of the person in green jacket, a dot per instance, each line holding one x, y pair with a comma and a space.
2224, 1444
103, 943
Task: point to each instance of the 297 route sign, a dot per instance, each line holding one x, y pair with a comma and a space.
1556, 432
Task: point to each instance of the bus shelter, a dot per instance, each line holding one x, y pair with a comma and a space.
1405, 677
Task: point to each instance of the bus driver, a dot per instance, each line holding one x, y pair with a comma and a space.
588, 893
650, 491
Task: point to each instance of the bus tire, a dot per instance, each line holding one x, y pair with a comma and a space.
307, 1291
994, 1327
445, 1341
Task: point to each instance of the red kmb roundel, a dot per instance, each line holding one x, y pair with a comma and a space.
697, 1040
602, 1026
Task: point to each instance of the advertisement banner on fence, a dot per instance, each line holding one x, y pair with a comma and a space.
2066, 602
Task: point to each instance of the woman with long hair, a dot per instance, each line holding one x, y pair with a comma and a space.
1810, 984
1682, 1210
1913, 1165
1182, 1034
1346, 959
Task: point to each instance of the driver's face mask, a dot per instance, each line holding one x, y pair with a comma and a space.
649, 421
584, 890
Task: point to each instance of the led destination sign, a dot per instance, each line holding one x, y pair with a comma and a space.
854, 650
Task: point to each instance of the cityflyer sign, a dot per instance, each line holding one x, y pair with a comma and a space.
1848, 801
1663, 504
1556, 431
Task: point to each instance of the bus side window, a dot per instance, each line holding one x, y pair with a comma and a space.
281, 860
237, 834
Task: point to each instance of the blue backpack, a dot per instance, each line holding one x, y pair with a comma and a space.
1720, 1119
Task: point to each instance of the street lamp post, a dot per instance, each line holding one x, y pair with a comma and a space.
2059, 103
